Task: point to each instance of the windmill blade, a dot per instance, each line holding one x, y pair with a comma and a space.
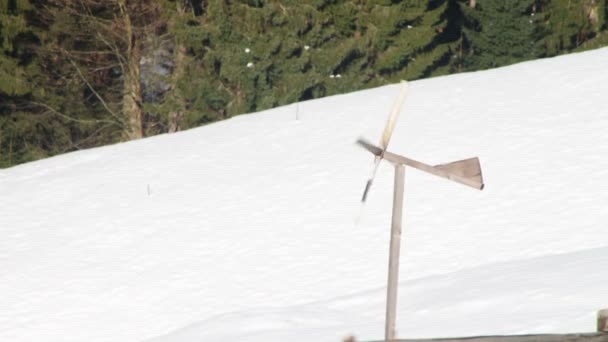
393, 116
386, 137
377, 152
368, 185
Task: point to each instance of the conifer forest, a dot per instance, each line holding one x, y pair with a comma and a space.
76, 74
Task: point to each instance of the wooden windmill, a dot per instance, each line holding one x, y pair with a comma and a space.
467, 172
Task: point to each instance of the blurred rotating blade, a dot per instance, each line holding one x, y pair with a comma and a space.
368, 185
393, 116
386, 135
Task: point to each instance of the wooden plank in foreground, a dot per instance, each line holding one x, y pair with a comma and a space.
600, 337
602, 321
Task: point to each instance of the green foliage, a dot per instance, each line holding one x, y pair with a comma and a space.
501, 32
14, 34
63, 63
299, 50
600, 40
570, 23
14, 84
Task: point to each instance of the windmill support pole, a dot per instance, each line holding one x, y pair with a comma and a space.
393, 262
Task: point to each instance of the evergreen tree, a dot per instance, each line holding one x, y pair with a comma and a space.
570, 23
498, 33
81, 73
414, 43
252, 55
15, 35
99, 47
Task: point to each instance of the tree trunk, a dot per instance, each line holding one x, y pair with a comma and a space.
472, 3
132, 101
132, 96
176, 115
10, 150
1, 144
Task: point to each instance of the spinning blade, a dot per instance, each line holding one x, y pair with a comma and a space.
386, 135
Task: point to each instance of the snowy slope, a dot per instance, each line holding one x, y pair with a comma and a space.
245, 229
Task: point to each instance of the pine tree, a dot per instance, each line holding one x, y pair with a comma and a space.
570, 23
418, 45
100, 45
15, 65
77, 74
251, 55
498, 33
13, 33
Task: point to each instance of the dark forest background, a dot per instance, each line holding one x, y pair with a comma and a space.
76, 74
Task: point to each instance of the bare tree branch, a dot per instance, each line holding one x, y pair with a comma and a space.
67, 117
96, 94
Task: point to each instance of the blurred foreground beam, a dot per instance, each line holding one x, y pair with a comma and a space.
599, 337
602, 321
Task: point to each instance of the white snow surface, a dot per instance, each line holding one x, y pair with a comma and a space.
251, 229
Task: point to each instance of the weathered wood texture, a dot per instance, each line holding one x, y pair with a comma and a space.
393, 259
519, 338
468, 168
444, 171
602, 321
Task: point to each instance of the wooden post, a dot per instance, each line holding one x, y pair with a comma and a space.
393, 261
467, 172
602, 321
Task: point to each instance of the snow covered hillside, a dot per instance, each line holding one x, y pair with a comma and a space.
245, 230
